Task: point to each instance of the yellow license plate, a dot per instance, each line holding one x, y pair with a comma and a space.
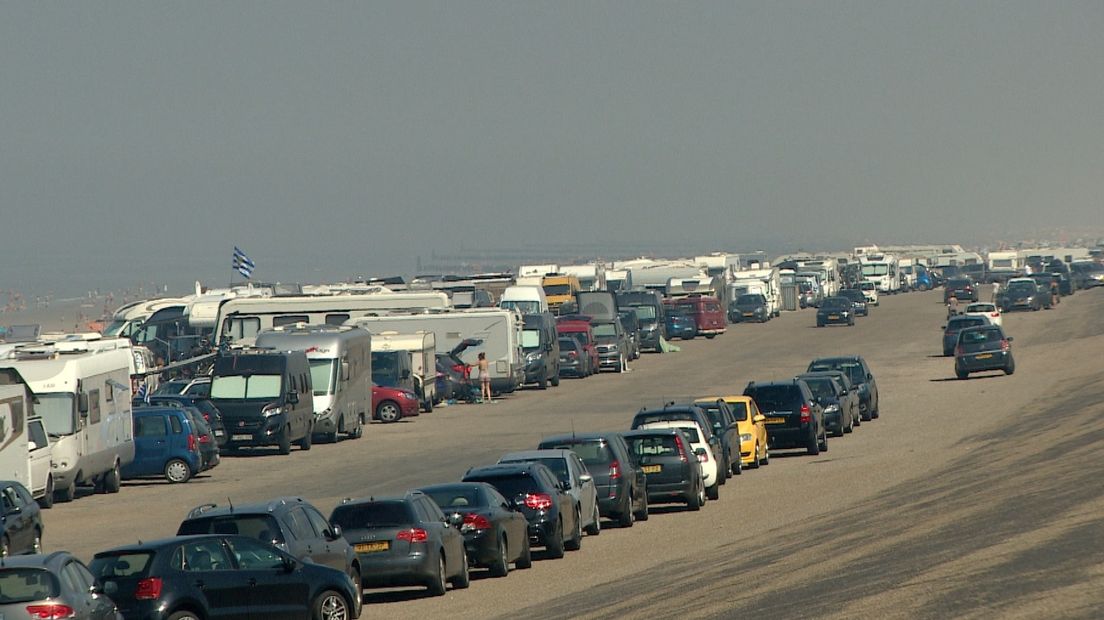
983, 356
776, 420
749, 314
373, 547
833, 316
652, 469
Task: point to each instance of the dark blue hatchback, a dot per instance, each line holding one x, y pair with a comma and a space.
165, 444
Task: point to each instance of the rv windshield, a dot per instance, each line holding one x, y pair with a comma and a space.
245, 387
557, 289
323, 376
524, 307
875, 270
530, 338
57, 412
645, 313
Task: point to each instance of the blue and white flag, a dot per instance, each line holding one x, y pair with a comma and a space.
143, 392
242, 264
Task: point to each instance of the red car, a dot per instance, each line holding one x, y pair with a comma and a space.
393, 404
707, 312
580, 330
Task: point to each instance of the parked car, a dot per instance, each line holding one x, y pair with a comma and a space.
989, 311
221, 576
680, 322
1023, 294
957, 324
835, 310
858, 301
1087, 274
673, 471
724, 426
614, 347
840, 406
691, 412
495, 534
208, 442
292, 524
574, 361
962, 289
630, 324
56, 585
983, 348
535, 490
712, 469
748, 308
166, 443
870, 291
20, 520
754, 444
393, 404
621, 485
574, 478
794, 419
583, 333
860, 375
403, 541
208, 409
40, 455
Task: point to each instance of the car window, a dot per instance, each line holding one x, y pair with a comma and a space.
177, 428
556, 464
451, 498
592, 452
660, 445
149, 426
372, 514
23, 585
300, 526
254, 555
433, 512
204, 555
132, 565
512, 485
260, 527
777, 397
979, 336
317, 520
739, 410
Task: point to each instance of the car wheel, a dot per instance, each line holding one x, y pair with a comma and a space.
840, 432
307, 440
47, 499
67, 493
5, 547
713, 492
555, 547
358, 430
113, 479
36, 544
850, 428
556, 380
627, 517
501, 565
812, 446
595, 528
436, 587
284, 441
576, 541
542, 383
766, 456
1011, 367
177, 471
526, 559
388, 411
960, 373
755, 454
737, 466
642, 514
864, 414
330, 606
463, 580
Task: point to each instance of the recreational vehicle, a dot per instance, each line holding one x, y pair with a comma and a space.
422, 347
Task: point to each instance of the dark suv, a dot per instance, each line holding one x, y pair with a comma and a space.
290, 523
673, 413
20, 519
794, 418
858, 371
962, 289
622, 487
955, 325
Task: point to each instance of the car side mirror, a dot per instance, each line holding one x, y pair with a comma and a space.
293, 397
1009, 339
345, 371
82, 404
869, 377
759, 418
585, 478
566, 486
32, 446
96, 589
335, 532
289, 564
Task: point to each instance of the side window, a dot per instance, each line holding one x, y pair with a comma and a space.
84, 574
317, 520
432, 510
299, 525
7, 497
255, 555
94, 406
336, 319
177, 427
205, 555
149, 426
69, 581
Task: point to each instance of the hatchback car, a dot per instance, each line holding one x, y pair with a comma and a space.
403, 541
962, 289
210, 412
535, 490
835, 311
712, 472
574, 360
794, 419
957, 324
748, 308
989, 311
680, 323
574, 478
292, 524
725, 427
983, 348
221, 576
674, 474
393, 404
495, 533
57, 585
858, 301
622, 487
754, 445
20, 520
840, 405
860, 375
870, 291
165, 444
1023, 294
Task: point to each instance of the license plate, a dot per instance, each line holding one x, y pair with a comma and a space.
749, 314
652, 469
373, 547
776, 420
241, 437
217, 434
833, 316
983, 356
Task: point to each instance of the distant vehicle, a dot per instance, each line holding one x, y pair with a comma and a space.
754, 444
841, 407
882, 270
393, 404
207, 409
701, 435
57, 585
541, 347
957, 324
649, 309
794, 418
835, 310
962, 289
870, 291
165, 444
622, 486
983, 348
559, 289
860, 375
188, 577
613, 346
574, 361
724, 427
680, 323
574, 478
495, 534
404, 541
40, 454
1087, 273
673, 471
748, 308
1023, 294
524, 299
630, 324
858, 301
583, 333
990, 311
422, 349
708, 315
20, 521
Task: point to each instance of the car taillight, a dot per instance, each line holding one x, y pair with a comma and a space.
615, 471
995, 314
572, 354
191, 442
806, 414
413, 535
703, 457
475, 522
681, 448
207, 417
538, 501
1004, 345
458, 368
148, 589
51, 611
204, 439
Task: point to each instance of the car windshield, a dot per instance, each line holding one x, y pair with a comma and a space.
605, 330
454, 498
877, 269
385, 368
841, 303
568, 344
981, 308
511, 486
867, 286
963, 323
739, 409
530, 338
57, 412
821, 387
749, 300
23, 585
372, 514
777, 397
979, 336
692, 433
261, 527
524, 307
246, 387
323, 376
645, 313
1023, 288
655, 445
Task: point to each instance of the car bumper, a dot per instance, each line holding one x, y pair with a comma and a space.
482, 547
833, 421
412, 569
666, 492
609, 361
828, 320
788, 437
970, 363
571, 368
650, 340
542, 530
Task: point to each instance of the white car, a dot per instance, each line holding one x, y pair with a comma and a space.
870, 290
987, 310
700, 447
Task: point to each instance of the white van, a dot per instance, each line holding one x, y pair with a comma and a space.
423, 360
524, 299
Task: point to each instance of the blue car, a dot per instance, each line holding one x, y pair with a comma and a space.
165, 444
680, 324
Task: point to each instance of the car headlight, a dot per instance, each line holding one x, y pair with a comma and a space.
614, 348
409, 396
831, 409
532, 357
269, 412
745, 436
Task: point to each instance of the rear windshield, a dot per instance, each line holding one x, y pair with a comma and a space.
261, 527
658, 445
452, 498
595, 452
568, 344
510, 486
130, 565
963, 323
663, 416
23, 585
375, 514
557, 465
821, 387
692, 433
978, 336
777, 397
743, 300
853, 370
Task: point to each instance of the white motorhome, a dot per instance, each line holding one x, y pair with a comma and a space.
656, 275
1005, 263
130, 317
619, 280
82, 393
592, 277
537, 271
340, 361
241, 319
881, 269
25, 449
828, 274
524, 299
499, 330
719, 264
765, 282
423, 360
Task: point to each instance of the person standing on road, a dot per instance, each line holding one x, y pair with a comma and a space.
484, 377
996, 292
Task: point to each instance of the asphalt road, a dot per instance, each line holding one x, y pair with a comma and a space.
979, 498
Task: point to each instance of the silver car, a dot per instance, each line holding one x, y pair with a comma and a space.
56, 585
575, 478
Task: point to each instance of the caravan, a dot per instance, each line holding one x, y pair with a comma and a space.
765, 282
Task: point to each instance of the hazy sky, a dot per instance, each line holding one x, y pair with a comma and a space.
140, 141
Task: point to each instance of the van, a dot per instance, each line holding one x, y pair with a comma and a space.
559, 289
541, 346
524, 299
25, 455
340, 361
265, 397
706, 311
583, 333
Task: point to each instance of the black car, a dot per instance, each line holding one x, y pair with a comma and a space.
403, 541
962, 289
210, 412
535, 490
630, 323
290, 523
672, 412
794, 418
724, 424
955, 325
1023, 294
673, 471
1087, 274
495, 533
20, 520
829, 393
574, 361
983, 348
57, 585
221, 576
835, 310
858, 301
858, 371
747, 308
621, 485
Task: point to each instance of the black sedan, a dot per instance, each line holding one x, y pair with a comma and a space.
983, 348
748, 308
495, 534
835, 310
214, 576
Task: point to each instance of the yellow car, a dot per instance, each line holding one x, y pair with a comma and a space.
754, 450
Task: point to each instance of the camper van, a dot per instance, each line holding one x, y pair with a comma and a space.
422, 347
130, 317
591, 277
524, 299
241, 319
340, 361
766, 282
25, 451
881, 269
82, 394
